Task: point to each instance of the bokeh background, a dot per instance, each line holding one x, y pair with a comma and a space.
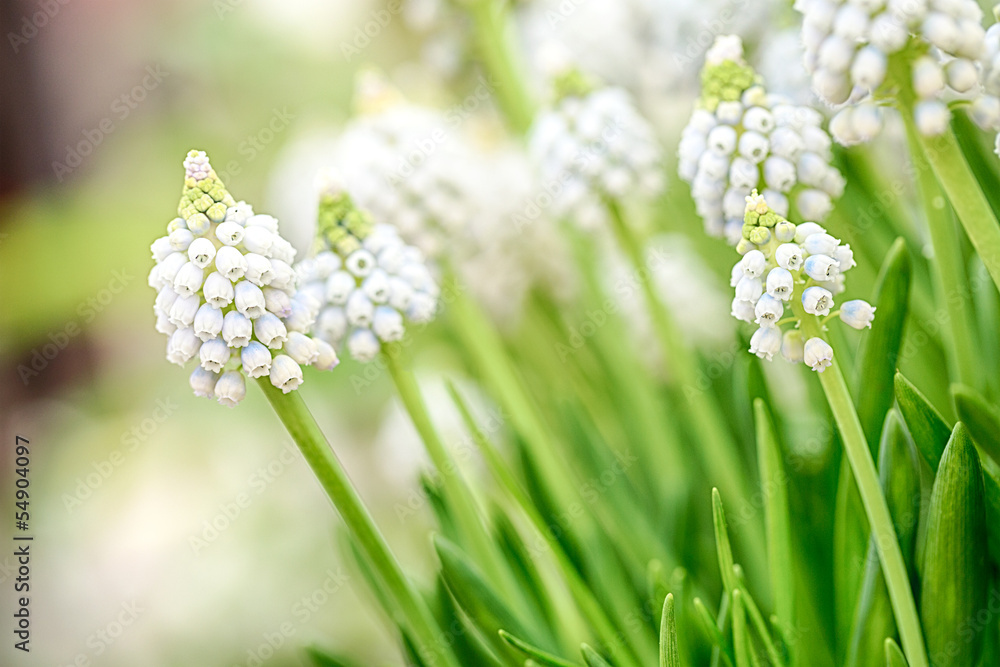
169, 530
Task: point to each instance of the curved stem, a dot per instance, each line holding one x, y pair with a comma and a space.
720, 457
879, 519
294, 414
463, 503
956, 178
489, 18
953, 282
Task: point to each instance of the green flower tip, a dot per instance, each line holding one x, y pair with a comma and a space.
204, 199
342, 225
573, 83
761, 222
726, 75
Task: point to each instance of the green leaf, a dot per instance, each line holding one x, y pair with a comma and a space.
774, 488
593, 658
955, 580
899, 473
465, 582
321, 658
741, 638
880, 347
980, 417
929, 430
893, 655
722, 546
712, 630
536, 654
669, 655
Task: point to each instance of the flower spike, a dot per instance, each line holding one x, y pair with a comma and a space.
366, 281
742, 138
226, 290
800, 267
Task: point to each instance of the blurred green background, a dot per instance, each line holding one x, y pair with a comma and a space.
128, 468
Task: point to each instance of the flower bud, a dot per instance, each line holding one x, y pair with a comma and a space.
231, 389
256, 359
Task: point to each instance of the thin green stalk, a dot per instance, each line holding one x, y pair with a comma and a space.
715, 445
463, 503
489, 20
949, 266
720, 457
956, 178
318, 453
482, 340
858, 455
589, 606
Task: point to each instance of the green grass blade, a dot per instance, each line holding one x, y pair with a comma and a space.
774, 481
669, 655
593, 658
465, 582
893, 655
899, 473
535, 653
955, 579
714, 632
980, 417
880, 347
741, 638
929, 430
722, 545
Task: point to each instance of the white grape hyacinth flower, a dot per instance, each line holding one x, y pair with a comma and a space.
596, 145
801, 266
366, 282
226, 293
741, 138
948, 58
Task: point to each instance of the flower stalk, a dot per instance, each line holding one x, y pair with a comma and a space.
330, 473
886, 542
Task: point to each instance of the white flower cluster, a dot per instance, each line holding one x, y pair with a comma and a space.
594, 144
742, 138
367, 281
800, 267
403, 163
226, 293
848, 49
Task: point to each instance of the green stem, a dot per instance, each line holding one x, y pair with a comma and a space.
720, 456
879, 519
485, 345
489, 18
715, 446
294, 414
956, 178
953, 283
463, 503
